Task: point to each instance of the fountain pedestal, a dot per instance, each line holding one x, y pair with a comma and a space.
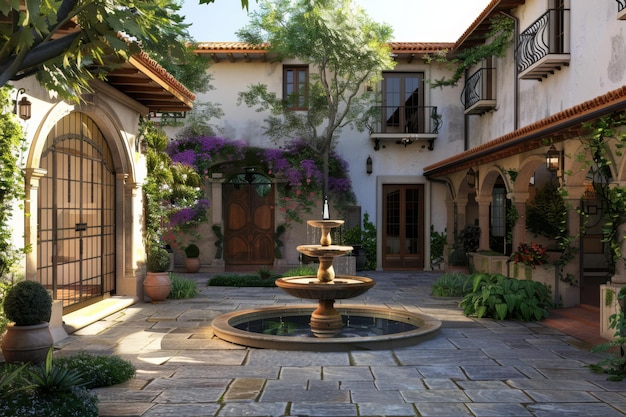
325, 320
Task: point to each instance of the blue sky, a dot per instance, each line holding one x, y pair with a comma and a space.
412, 20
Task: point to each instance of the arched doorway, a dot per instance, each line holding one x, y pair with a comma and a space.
249, 221
76, 212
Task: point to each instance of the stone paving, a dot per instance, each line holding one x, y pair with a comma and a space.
471, 368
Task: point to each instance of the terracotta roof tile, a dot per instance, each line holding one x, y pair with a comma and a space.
567, 119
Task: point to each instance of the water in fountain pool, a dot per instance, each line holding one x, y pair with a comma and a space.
353, 326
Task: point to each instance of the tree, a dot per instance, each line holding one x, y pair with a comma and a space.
345, 50
67, 43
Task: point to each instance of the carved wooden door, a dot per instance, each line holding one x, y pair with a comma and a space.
249, 224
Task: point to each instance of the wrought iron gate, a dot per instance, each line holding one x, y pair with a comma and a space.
76, 231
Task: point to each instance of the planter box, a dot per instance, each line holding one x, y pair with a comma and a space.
608, 292
490, 264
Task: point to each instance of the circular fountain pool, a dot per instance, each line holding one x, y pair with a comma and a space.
403, 329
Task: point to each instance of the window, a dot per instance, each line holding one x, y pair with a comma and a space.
295, 86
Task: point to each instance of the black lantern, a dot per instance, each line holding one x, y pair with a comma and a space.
21, 108
368, 165
553, 159
471, 178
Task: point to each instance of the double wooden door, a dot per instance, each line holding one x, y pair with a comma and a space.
249, 224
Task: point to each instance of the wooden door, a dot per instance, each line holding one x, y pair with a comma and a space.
249, 224
403, 226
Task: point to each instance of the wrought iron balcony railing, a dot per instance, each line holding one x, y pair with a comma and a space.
544, 46
479, 94
408, 119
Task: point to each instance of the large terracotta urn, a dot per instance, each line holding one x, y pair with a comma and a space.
27, 343
157, 286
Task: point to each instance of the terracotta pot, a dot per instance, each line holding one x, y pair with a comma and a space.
27, 343
192, 265
157, 286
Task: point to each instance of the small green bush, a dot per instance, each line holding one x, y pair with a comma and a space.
158, 260
240, 280
301, 270
613, 365
503, 298
192, 251
452, 284
27, 303
98, 370
183, 287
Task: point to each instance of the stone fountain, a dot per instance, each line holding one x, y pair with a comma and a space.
392, 328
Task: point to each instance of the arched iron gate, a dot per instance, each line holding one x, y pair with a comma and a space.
76, 231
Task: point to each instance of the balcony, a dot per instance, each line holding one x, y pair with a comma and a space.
544, 46
621, 9
479, 94
405, 125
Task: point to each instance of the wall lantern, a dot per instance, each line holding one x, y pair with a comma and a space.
143, 146
368, 165
21, 108
471, 178
553, 159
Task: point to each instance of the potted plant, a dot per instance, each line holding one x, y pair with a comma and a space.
192, 260
28, 305
157, 285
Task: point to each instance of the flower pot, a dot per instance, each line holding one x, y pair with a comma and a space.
192, 265
27, 343
157, 286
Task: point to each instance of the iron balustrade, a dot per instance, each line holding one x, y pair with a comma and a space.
478, 87
408, 119
545, 36
621, 5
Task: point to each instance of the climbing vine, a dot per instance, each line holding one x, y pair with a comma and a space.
500, 38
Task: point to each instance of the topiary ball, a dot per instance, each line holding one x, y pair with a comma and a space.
158, 260
27, 303
192, 251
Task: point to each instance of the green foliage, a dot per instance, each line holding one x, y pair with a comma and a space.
12, 379
158, 260
49, 378
470, 238
192, 251
242, 280
613, 365
498, 40
299, 271
182, 287
504, 298
98, 370
11, 181
219, 240
438, 242
369, 243
77, 402
546, 215
37, 42
452, 284
27, 303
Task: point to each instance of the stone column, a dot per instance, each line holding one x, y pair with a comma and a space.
31, 220
519, 230
483, 221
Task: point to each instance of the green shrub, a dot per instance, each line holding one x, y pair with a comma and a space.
183, 287
503, 298
613, 365
27, 303
301, 270
240, 280
158, 260
98, 370
452, 284
192, 251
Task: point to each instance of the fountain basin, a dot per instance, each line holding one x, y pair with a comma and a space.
311, 288
316, 251
224, 328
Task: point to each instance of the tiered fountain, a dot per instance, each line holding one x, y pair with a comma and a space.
329, 328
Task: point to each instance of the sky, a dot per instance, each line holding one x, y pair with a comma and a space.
412, 20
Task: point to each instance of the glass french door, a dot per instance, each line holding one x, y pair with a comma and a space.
403, 101
403, 226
